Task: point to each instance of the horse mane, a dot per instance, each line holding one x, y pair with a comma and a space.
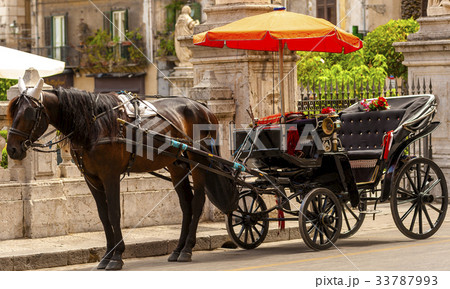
12, 108
77, 110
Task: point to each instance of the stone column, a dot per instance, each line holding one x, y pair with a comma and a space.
427, 56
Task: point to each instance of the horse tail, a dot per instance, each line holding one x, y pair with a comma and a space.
221, 190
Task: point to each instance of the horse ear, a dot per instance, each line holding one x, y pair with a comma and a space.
36, 91
21, 85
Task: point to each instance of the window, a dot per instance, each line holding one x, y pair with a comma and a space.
55, 37
58, 36
119, 21
327, 9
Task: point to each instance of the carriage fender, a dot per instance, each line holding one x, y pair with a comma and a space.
394, 159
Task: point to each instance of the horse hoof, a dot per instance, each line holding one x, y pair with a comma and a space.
173, 257
103, 263
114, 265
185, 257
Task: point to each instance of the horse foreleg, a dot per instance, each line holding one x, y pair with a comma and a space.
112, 190
182, 186
102, 207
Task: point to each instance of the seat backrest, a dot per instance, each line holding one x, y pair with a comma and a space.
365, 130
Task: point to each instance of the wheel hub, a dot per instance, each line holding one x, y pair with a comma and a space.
326, 219
426, 198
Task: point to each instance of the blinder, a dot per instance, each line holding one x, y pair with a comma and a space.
30, 113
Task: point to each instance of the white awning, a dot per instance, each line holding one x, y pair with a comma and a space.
13, 63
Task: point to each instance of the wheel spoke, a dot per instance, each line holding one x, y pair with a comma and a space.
251, 235
332, 228
319, 203
321, 237
434, 184
315, 233
418, 176
240, 232
237, 224
405, 191
245, 204
434, 208
416, 210
425, 211
256, 230
325, 203
412, 183
246, 235
408, 212
406, 201
315, 208
420, 219
427, 172
251, 205
346, 219
351, 211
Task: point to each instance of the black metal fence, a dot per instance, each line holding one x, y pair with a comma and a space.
340, 95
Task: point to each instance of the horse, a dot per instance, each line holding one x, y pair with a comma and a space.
89, 122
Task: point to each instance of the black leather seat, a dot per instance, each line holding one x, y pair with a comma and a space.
362, 133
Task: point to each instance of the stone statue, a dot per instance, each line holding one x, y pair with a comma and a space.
184, 27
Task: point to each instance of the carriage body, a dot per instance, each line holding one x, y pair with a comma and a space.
362, 159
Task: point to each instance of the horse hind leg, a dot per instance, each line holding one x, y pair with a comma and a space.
197, 203
182, 186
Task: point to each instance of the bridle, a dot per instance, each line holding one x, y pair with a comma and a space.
31, 113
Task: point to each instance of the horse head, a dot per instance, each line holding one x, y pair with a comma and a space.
29, 120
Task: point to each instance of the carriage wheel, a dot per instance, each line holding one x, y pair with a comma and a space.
419, 198
248, 225
352, 218
320, 219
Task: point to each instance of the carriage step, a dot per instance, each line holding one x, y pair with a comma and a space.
368, 212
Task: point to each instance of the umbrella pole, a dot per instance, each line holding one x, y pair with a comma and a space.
281, 52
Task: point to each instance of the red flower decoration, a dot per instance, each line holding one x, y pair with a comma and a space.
328, 110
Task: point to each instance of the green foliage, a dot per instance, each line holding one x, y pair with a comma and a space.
371, 64
380, 40
328, 68
4, 161
5, 84
101, 50
166, 43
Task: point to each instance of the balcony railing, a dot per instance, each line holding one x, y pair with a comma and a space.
69, 55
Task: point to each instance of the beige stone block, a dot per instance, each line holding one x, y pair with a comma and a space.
6, 264
203, 243
11, 220
10, 192
77, 257
147, 249
277, 235
217, 241
294, 233
43, 190
75, 187
38, 261
45, 217
148, 183
150, 208
5, 174
82, 215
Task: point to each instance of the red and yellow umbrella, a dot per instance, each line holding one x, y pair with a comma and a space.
274, 30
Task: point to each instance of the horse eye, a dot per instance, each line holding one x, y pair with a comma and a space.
30, 113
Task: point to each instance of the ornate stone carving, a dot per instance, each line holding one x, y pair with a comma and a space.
438, 7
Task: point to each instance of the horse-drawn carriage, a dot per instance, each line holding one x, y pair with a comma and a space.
319, 169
